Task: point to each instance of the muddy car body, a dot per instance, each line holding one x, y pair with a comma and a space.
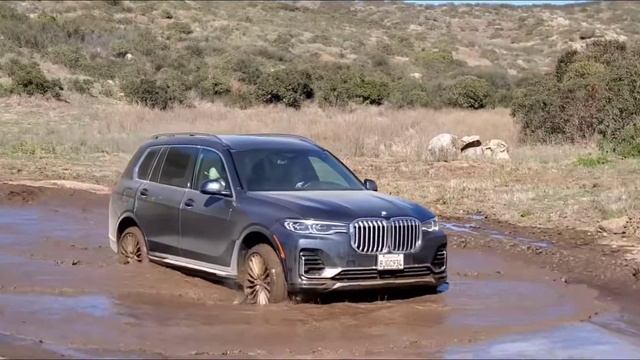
277, 213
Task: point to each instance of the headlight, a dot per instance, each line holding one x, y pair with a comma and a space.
314, 227
430, 225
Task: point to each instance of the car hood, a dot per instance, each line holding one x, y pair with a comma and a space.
344, 206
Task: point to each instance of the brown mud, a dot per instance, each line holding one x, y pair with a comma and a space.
63, 294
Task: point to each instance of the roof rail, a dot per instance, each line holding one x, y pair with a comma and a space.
292, 136
157, 136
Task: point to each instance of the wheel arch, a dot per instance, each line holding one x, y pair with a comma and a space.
253, 236
126, 221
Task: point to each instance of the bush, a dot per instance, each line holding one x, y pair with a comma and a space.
120, 49
409, 93
80, 85
246, 69
28, 79
594, 94
71, 57
213, 87
339, 86
592, 161
150, 93
469, 92
287, 86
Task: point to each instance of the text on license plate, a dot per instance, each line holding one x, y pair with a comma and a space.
390, 261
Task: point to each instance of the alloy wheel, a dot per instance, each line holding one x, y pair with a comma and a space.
130, 248
257, 286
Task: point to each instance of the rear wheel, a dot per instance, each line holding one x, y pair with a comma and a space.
131, 246
263, 276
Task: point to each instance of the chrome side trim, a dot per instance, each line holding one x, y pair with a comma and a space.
223, 271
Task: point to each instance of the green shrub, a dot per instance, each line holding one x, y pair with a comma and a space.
591, 161
287, 86
625, 144
409, 93
368, 90
213, 87
80, 85
120, 48
594, 94
339, 86
150, 93
28, 79
71, 57
246, 69
469, 92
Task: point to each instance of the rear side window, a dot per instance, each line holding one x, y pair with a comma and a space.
177, 169
144, 169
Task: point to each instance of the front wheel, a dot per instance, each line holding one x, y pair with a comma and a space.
263, 280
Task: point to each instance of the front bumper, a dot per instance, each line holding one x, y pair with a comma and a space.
337, 266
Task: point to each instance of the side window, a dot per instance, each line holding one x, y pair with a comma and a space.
144, 169
210, 167
326, 173
178, 166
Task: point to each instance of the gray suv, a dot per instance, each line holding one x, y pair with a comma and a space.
276, 213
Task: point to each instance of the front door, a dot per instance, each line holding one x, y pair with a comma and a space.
206, 234
159, 199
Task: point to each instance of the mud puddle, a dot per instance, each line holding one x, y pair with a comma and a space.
99, 308
585, 340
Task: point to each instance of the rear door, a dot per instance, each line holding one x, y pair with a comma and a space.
205, 228
159, 199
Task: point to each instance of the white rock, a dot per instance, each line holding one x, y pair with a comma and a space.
444, 147
496, 149
128, 57
470, 142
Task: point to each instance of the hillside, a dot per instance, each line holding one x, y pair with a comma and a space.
398, 53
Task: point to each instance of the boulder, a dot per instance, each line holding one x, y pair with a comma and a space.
496, 149
444, 147
614, 226
473, 153
469, 142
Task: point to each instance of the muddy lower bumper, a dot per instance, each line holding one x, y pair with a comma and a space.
330, 263
317, 285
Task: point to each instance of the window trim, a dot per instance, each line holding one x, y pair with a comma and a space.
198, 163
142, 158
190, 187
168, 147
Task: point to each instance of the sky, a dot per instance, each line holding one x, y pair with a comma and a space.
509, 2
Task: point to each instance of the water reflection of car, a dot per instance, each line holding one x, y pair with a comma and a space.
277, 213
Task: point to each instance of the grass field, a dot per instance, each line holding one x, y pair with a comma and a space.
91, 139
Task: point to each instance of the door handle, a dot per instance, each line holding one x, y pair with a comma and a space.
189, 203
144, 192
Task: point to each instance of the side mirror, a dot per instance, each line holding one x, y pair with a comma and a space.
370, 185
214, 187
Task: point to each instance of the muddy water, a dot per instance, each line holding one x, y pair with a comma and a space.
63, 293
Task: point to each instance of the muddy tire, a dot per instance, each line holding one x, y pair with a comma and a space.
263, 280
132, 247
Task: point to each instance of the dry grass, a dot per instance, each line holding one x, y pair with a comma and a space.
91, 140
99, 126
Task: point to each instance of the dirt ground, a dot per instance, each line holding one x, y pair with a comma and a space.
513, 292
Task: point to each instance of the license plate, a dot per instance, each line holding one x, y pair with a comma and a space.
390, 262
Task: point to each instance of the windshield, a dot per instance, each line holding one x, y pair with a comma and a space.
293, 170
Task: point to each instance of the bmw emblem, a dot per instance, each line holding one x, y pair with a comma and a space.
384, 213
